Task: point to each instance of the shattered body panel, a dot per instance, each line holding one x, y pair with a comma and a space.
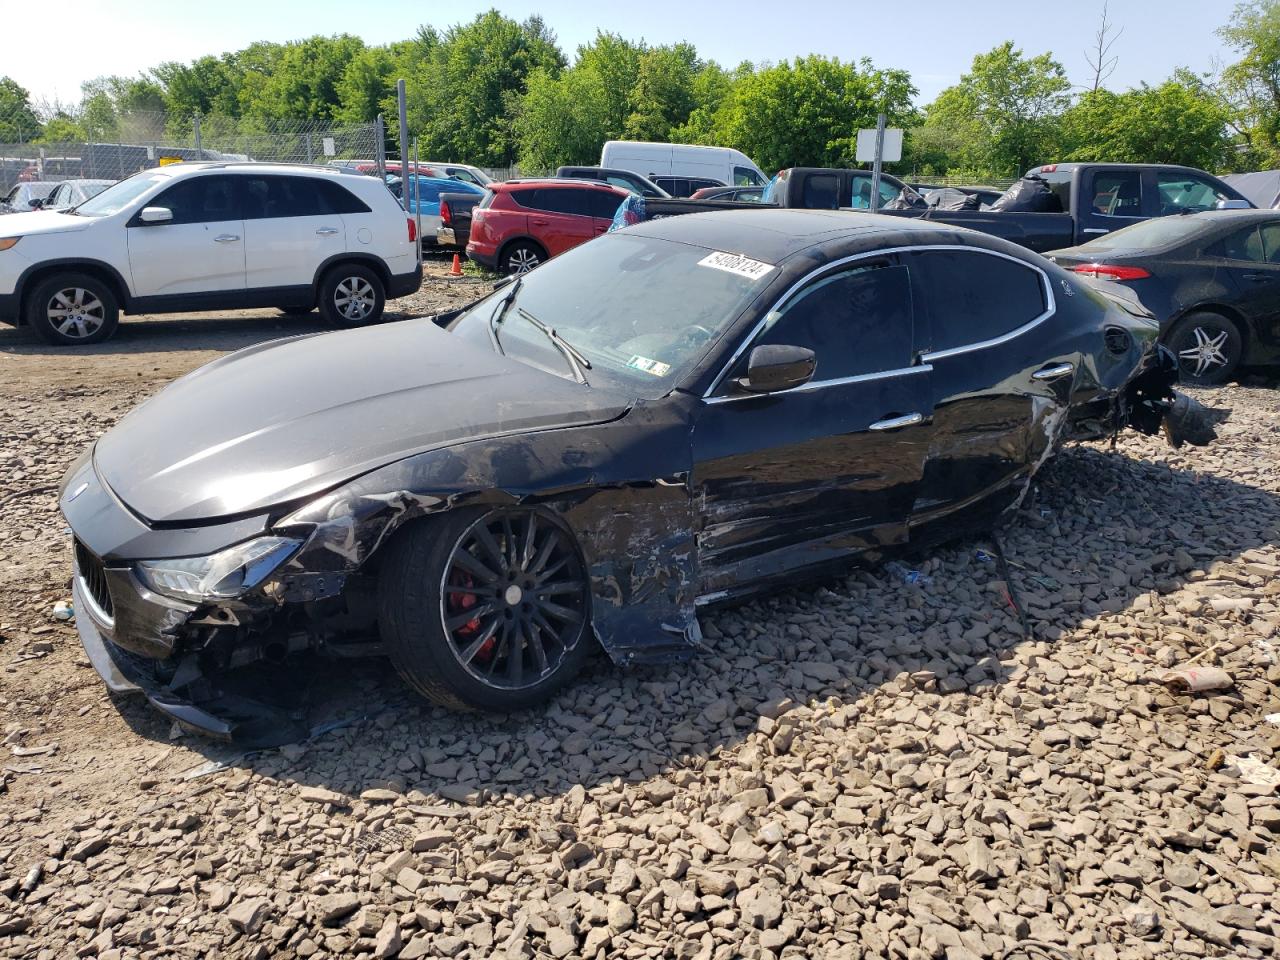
692, 495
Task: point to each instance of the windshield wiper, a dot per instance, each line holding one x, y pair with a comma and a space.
495, 318
576, 360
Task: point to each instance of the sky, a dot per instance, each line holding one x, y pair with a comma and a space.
936, 44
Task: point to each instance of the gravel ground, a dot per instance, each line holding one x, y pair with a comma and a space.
862, 768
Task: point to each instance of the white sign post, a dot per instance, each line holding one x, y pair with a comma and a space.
329, 149
881, 145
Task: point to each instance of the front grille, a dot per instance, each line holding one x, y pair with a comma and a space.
93, 577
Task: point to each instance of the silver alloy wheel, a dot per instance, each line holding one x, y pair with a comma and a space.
76, 313
354, 298
522, 260
1207, 351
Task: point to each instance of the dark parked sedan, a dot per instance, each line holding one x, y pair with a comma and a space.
676, 414
1211, 279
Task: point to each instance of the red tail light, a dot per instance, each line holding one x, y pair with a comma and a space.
413, 230
446, 215
1049, 168
1110, 271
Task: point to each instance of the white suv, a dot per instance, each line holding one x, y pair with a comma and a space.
208, 236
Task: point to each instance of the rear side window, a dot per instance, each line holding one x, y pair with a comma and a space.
269, 198
603, 204
201, 200
856, 322
340, 199
1241, 245
746, 177
553, 200
974, 297
1117, 194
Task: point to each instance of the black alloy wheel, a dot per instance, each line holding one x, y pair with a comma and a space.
486, 608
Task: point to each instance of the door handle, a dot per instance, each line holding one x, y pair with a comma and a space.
895, 423
1055, 371
326, 231
538, 223
1095, 230
1257, 277
226, 238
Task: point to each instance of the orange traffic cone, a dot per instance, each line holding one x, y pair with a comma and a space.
456, 269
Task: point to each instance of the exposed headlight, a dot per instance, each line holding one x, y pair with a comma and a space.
219, 576
7, 242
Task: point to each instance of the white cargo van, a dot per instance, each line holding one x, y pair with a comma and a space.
683, 166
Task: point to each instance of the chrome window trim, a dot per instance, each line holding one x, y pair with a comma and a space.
1051, 306
821, 384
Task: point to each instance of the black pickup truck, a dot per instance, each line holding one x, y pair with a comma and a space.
455, 219
1071, 202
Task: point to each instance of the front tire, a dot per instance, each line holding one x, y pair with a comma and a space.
73, 309
352, 295
1208, 347
487, 609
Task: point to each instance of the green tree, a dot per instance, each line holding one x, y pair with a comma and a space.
1004, 112
470, 82
1251, 85
367, 82
615, 64
562, 120
807, 112
710, 87
663, 96
1176, 122
303, 84
18, 121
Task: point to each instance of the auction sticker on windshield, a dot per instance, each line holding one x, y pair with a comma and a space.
655, 367
733, 263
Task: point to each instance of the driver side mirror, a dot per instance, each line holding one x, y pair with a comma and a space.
776, 367
35, 204
155, 215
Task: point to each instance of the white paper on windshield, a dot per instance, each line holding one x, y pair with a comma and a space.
733, 263
648, 365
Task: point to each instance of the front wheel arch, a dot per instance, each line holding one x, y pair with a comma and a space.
520, 241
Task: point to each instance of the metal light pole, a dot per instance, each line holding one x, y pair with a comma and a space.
404, 129
417, 202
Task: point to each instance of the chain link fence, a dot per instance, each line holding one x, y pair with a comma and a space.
71, 146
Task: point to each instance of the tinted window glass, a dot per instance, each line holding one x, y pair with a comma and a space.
276, 197
1181, 192
820, 192
1149, 234
1117, 194
340, 199
603, 204
1271, 241
746, 177
556, 200
973, 297
858, 321
200, 200
1240, 245
621, 182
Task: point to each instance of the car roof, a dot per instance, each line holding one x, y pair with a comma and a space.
186, 169
774, 235
558, 182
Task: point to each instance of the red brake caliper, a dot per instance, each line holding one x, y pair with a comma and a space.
461, 602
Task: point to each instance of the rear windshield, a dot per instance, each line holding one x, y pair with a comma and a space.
1161, 232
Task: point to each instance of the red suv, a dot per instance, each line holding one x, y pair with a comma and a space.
521, 223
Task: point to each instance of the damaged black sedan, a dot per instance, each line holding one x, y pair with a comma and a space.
676, 414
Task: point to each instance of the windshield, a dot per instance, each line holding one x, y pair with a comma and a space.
664, 305
1160, 232
116, 198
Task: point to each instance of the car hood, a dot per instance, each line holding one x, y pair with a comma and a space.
283, 421
41, 221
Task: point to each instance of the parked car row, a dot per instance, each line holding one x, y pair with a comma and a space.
50, 194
